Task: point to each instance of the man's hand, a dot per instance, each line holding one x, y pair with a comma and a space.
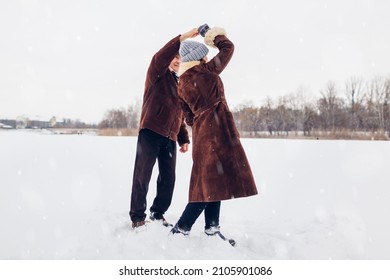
190, 34
184, 148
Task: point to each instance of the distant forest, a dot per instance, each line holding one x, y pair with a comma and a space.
357, 110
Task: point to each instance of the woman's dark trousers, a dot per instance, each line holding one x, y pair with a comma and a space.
193, 211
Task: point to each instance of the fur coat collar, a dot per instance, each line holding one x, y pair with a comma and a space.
184, 66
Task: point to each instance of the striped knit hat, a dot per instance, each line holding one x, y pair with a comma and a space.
192, 51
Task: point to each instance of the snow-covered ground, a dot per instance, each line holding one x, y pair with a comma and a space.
67, 197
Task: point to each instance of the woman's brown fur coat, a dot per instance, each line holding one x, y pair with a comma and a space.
220, 168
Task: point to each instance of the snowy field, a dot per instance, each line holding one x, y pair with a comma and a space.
67, 197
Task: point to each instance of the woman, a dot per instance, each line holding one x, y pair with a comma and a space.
220, 168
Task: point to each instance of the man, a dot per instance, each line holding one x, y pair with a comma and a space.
161, 125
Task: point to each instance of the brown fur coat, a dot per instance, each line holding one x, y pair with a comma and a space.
161, 110
220, 168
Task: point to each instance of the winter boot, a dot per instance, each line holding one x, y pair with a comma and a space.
177, 229
139, 224
213, 230
154, 216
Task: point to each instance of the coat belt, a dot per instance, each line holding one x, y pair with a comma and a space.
204, 109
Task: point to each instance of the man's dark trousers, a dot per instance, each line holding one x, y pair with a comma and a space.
152, 146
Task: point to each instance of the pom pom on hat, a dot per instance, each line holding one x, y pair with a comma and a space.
192, 51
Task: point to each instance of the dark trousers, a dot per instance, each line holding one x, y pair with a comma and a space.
152, 146
193, 211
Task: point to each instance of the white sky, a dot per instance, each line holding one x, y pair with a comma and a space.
79, 58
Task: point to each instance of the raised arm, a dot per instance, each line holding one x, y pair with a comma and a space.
161, 60
216, 38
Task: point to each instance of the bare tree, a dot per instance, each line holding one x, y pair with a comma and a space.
354, 90
377, 102
302, 110
330, 106
386, 106
283, 116
133, 114
270, 121
115, 118
247, 118
309, 119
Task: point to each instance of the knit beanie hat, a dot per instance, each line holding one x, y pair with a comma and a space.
192, 51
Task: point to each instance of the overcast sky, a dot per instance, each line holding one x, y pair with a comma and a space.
79, 58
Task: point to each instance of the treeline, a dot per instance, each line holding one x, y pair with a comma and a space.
121, 122
357, 107
121, 118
